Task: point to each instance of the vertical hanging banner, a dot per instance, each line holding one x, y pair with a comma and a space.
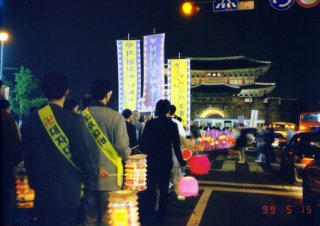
179, 88
153, 89
254, 118
129, 73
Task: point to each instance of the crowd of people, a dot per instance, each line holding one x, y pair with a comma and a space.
74, 156
74, 153
263, 137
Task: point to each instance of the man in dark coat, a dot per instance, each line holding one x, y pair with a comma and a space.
160, 135
10, 157
56, 182
131, 129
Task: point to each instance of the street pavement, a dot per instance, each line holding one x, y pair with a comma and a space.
249, 194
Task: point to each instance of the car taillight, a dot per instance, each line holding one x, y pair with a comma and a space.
306, 161
302, 128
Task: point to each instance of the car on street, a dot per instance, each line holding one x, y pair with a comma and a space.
281, 127
297, 154
311, 184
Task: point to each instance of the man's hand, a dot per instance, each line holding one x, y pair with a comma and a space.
103, 172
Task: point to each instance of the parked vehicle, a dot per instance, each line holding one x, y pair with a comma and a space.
309, 121
299, 153
311, 184
280, 127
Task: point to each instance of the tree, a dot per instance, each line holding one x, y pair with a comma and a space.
20, 99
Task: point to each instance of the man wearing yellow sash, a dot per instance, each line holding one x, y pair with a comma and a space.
57, 155
108, 129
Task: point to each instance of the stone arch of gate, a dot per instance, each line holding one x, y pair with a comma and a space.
212, 112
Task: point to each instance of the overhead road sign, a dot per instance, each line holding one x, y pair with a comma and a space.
246, 5
308, 3
225, 5
281, 4
232, 5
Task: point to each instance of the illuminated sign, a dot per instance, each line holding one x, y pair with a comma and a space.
153, 85
129, 73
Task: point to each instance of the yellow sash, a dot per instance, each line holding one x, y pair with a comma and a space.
103, 143
56, 134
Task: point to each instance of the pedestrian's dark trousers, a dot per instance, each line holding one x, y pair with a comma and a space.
48, 216
269, 153
158, 178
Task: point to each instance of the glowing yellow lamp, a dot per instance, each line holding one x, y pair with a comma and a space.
123, 208
187, 8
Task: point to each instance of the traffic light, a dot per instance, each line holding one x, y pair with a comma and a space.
189, 8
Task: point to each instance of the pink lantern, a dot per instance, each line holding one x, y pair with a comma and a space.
188, 186
199, 164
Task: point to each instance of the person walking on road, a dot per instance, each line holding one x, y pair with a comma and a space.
159, 136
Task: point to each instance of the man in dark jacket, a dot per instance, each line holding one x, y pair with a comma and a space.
160, 135
10, 157
57, 183
131, 129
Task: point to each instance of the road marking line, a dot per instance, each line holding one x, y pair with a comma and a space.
254, 191
229, 165
198, 211
254, 167
284, 187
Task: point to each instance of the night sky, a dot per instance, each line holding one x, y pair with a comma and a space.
78, 38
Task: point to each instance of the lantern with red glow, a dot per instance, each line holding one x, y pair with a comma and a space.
186, 154
199, 164
123, 208
25, 195
188, 186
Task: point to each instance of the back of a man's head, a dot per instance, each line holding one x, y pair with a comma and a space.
54, 85
136, 114
162, 107
85, 100
99, 88
126, 113
172, 110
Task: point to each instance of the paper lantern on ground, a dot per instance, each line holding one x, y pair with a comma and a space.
199, 164
25, 195
123, 208
188, 186
186, 154
136, 173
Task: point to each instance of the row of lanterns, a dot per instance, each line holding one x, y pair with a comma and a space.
123, 204
215, 140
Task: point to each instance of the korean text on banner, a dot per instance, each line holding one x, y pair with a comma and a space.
129, 72
153, 89
179, 88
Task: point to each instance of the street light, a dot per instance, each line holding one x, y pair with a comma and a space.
189, 8
3, 37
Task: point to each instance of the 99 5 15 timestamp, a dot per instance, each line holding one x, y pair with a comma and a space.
287, 210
